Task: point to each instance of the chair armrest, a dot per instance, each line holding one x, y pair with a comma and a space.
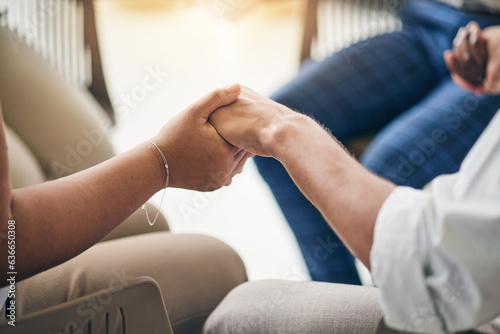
135, 307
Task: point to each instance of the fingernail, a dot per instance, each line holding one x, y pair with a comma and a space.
234, 88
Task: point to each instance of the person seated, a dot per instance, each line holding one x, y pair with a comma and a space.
433, 253
398, 87
57, 223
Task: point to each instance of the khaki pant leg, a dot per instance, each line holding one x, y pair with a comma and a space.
194, 272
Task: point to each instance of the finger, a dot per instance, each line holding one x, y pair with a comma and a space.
215, 99
239, 155
459, 37
241, 163
241, 159
451, 63
248, 155
473, 48
449, 59
462, 51
476, 44
462, 58
461, 82
479, 91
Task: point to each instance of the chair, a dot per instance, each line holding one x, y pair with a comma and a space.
64, 33
331, 25
125, 312
62, 94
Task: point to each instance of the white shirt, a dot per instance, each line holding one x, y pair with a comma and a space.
436, 252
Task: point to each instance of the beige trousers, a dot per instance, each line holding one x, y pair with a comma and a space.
194, 273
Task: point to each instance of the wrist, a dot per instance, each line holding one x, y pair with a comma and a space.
302, 140
159, 158
288, 133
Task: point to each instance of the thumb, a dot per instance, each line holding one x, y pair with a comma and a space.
220, 97
449, 59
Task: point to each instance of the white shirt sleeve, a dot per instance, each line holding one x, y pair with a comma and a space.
436, 252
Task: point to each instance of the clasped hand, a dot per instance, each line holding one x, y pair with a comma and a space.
198, 158
474, 62
209, 143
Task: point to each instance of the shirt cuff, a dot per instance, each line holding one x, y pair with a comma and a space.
398, 262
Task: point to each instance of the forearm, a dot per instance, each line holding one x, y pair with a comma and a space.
57, 220
348, 196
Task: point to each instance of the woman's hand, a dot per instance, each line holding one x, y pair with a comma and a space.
198, 158
474, 62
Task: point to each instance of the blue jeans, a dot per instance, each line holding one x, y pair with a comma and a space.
397, 86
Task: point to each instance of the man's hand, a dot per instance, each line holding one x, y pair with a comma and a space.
348, 196
253, 123
198, 158
474, 62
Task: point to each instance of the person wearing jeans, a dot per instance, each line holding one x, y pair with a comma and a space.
398, 86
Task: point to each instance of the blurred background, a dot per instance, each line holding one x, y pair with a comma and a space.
197, 46
145, 61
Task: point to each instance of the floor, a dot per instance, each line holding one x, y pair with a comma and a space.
193, 47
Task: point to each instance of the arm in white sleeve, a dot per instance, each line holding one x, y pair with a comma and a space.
436, 253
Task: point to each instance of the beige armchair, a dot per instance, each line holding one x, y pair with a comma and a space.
125, 313
53, 129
